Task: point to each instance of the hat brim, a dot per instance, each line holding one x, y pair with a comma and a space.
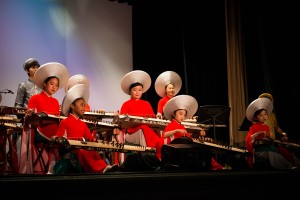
186, 102
51, 69
134, 77
257, 104
77, 91
77, 79
166, 78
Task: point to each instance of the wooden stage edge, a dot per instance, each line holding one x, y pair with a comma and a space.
242, 184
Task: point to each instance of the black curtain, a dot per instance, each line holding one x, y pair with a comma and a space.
271, 39
189, 37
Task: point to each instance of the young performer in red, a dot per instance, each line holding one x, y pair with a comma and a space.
264, 154
276, 133
49, 77
167, 85
177, 110
74, 128
135, 83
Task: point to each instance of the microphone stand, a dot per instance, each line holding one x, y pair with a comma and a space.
6, 91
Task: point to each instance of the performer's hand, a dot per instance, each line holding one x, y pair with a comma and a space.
116, 112
202, 133
182, 131
53, 138
29, 112
159, 115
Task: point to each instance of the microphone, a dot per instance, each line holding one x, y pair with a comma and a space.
9, 91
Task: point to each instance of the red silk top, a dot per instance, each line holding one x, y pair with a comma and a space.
48, 104
161, 103
172, 126
74, 128
138, 107
251, 137
142, 108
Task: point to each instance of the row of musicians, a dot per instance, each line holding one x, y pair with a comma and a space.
51, 76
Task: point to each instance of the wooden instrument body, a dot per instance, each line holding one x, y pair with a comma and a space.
127, 121
101, 145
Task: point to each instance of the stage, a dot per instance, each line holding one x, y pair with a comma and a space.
229, 184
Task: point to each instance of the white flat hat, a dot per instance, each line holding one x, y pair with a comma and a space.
186, 102
257, 104
51, 69
136, 76
77, 79
75, 92
166, 78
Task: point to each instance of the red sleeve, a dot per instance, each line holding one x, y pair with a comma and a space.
174, 125
87, 133
32, 102
160, 106
150, 110
124, 108
162, 102
61, 128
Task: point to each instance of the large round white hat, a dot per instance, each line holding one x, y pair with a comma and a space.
136, 76
186, 102
257, 104
77, 79
166, 78
75, 92
51, 69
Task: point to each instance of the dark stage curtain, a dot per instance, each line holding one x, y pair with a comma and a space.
189, 37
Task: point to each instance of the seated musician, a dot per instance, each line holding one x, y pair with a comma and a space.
276, 133
74, 128
167, 85
135, 83
177, 110
259, 143
50, 77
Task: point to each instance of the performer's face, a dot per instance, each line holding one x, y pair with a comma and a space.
136, 92
78, 107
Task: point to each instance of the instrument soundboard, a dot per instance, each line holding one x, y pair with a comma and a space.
101, 145
127, 121
95, 124
227, 148
10, 122
5, 110
98, 115
287, 144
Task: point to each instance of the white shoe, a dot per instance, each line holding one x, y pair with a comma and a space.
294, 167
111, 168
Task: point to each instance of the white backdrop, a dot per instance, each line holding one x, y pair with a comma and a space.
91, 37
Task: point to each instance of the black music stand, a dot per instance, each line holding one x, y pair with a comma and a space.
213, 115
245, 126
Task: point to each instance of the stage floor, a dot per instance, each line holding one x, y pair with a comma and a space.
232, 184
